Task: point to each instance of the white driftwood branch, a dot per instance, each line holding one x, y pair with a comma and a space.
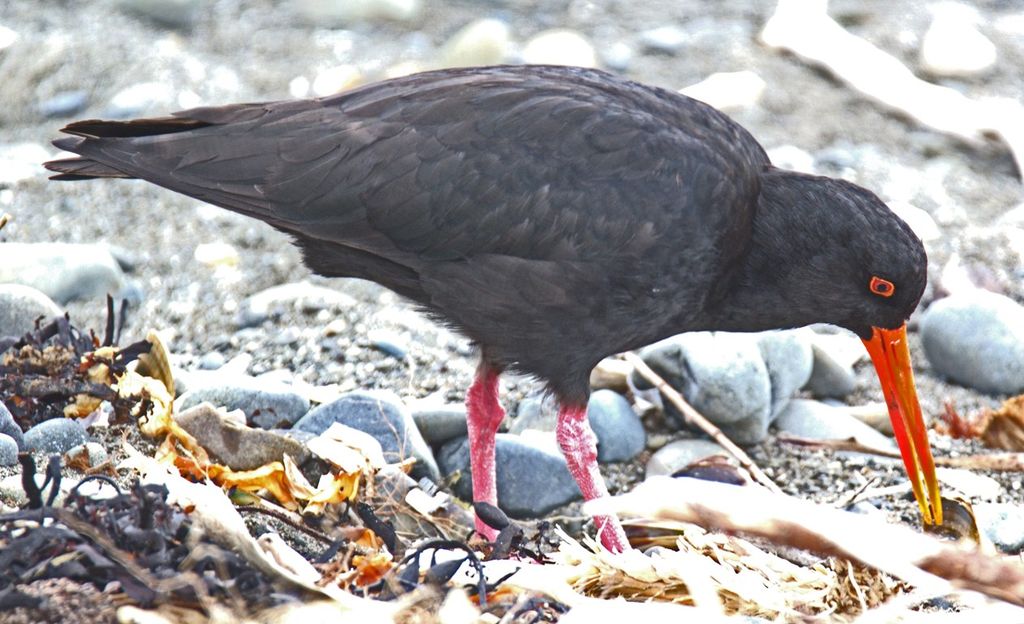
804, 28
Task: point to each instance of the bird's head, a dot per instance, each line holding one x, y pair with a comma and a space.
828, 251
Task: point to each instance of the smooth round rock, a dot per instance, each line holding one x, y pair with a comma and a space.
8, 450
668, 39
620, 434
57, 435
212, 360
817, 421
299, 296
977, 339
829, 378
721, 374
952, 46
9, 427
385, 417
531, 481
789, 359
63, 271
64, 104
559, 47
482, 42
266, 404
538, 412
1003, 523
680, 454
440, 423
20, 306
172, 13
342, 13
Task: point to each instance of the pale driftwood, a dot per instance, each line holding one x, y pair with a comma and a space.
695, 418
921, 560
1002, 462
804, 28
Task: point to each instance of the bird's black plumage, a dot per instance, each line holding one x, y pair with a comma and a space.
554, 215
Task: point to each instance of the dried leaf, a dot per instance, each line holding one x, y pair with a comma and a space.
1004, 428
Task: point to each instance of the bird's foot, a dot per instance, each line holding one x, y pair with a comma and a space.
612, 535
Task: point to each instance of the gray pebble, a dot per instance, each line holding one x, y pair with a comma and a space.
266, 404
389, 342
620, 434
57, 435
977, 339
64, 104
212, 360
440, 423
95, 453
1003, 523
20, 306
749, 431
789, 359
382, 415
10, 428
818, 421
531, 481
63, 271
668, 39
617, 57
538, 412
235, 445
8, 450
680, 454
171, 13
300, 296
829, 378
138, 98
721, 374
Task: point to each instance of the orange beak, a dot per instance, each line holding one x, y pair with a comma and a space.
889, 353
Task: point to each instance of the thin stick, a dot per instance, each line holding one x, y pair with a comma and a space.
1002, 462
695, 418
4, 218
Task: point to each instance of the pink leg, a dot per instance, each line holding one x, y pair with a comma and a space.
484, 416
579, 445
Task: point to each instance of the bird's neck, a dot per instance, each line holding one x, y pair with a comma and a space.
759, 293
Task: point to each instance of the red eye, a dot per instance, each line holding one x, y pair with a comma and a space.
882, 287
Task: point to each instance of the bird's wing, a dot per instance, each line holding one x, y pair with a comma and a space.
534, 162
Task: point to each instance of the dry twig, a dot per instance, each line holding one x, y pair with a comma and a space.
1003, 462
695, 418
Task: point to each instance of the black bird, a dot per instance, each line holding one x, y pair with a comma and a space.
555, 216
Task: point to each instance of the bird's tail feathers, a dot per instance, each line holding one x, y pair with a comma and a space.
84, 167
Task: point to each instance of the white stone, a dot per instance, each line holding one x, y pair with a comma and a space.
298, 87
918, 219
142, 95
953, 46
560, 47
20, 161
7, 37
728, 90
335, 13
216, 254
336, 79
791, 157
483, 42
